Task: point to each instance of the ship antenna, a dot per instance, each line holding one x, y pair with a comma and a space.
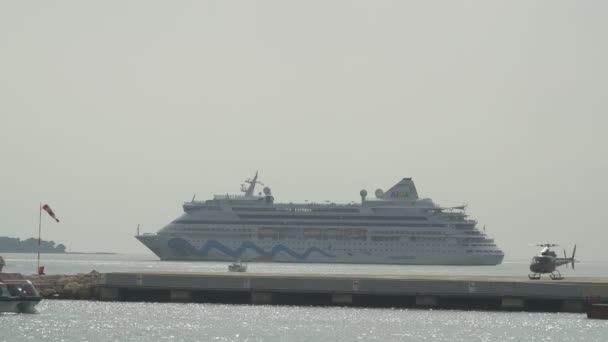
252, 182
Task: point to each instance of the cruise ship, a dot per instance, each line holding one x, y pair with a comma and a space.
394, 227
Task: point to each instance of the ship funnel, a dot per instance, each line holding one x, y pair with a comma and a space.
404, 190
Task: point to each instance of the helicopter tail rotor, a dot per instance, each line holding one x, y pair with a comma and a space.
573, 253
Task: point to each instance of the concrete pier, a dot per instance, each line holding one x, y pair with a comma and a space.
181, 296
261, 298
342, 298
510, 303
427, 301
463, 292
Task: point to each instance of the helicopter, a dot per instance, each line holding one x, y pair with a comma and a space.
548, 262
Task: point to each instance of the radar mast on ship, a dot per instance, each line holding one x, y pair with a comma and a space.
248, 190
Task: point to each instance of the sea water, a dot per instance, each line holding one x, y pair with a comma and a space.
85, 263
60, 320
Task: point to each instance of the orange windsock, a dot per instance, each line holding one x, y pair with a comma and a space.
50, 211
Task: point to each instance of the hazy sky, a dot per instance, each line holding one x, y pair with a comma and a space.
116, 112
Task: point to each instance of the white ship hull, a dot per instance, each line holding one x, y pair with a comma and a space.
397, 228
199, 248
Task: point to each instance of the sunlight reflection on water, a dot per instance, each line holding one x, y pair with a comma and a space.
102, 321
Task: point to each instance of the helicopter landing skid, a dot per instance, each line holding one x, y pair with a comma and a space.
534, 276
555, 275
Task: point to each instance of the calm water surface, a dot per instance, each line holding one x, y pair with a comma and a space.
84, 263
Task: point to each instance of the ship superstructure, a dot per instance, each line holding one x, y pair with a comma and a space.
395, 227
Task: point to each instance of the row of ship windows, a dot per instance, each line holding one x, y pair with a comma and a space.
442, 250
298, 230
398, 239
407, 233
215, 230
453, 217
299, 209
437, 251
464, 225
333, 217
393, 239
474, 239
325, 223
304, 244
350, 241
369, 250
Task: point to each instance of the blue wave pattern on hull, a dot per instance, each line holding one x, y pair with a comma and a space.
214, 244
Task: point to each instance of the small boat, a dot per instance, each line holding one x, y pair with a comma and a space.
237, 266
597, 311
17, 294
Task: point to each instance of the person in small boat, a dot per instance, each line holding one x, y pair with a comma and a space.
28, 290
13, 290
2, 263
20, 290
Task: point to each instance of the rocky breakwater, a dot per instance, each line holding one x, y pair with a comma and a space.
76, 286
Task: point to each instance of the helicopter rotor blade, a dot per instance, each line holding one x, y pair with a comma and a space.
565, 257
573, 253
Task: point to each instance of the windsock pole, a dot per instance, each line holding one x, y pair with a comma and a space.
39, 234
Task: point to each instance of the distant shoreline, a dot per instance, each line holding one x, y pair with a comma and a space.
30, 245
33, 245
